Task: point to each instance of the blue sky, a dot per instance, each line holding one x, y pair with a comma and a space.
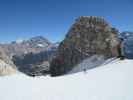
53, 18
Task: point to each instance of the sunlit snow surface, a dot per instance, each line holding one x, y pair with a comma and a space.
112, 81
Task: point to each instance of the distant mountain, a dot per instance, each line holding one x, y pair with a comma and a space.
37, 42
34, 45
30, 56
128, 43
126, 35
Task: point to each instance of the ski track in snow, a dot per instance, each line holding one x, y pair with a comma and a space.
111, 81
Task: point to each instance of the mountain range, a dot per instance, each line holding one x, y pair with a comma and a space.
35, 45
29, 56
90, 38
128, 44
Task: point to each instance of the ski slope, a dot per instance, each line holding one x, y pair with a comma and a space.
113, 81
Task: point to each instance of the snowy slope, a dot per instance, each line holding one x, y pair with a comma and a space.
109, 82
89, 63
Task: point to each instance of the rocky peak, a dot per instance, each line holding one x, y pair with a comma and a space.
39, 39
88, 36
126, 35
6, 65
92, 22
35, 45
36, 42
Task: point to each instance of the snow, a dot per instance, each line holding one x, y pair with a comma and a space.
113, 81
91, 62
19, 40
40, 45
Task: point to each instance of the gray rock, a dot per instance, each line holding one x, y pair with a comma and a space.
6, 65
89, 35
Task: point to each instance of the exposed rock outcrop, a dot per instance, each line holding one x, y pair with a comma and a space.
34, 64
6, 69
88, 36
6, 65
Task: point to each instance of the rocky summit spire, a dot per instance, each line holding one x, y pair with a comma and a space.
91, 20
88, 36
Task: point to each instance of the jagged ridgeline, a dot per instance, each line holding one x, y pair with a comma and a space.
88, 36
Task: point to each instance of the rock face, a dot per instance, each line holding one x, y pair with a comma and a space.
34, 64
6, 65
88, 36
6, 69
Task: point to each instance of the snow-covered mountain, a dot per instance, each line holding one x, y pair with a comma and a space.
128, 43
35, 45
29, 56
111, 81
37, 42
126, 35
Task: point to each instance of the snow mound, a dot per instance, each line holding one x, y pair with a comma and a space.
109, 82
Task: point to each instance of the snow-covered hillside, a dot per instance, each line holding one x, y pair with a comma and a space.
112, 81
